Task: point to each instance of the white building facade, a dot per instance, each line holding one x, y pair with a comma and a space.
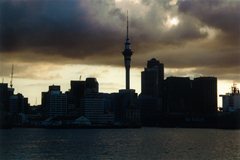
231, 101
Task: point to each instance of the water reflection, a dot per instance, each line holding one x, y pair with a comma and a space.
145, 143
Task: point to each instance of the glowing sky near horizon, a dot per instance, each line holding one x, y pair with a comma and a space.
110, 79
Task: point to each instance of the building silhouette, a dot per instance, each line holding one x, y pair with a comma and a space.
151, 97
152, 79
174, 98
54, 102
98, 109
204, 95
91, 86
13, 107
126, 109
149, 109
10, 102
18, 104
5, 93
74, 96
198, 96
177, 95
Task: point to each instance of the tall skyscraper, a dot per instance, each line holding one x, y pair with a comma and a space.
91, 86
4, 97
151, 98
5, 94
177, 95
54, 102
18, 104
74, 95
153, 78
205, 94
127, 53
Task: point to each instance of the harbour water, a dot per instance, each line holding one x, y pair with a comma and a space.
117, 144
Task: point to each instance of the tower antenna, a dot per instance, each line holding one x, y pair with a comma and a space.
11, 81
127, 24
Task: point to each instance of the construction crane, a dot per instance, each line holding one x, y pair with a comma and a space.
11, 81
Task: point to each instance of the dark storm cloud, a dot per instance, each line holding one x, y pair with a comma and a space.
220, 14
61, 27
93, 32
80, 28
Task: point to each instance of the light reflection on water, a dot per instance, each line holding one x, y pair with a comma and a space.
145, 143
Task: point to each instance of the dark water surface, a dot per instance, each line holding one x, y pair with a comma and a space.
143, 144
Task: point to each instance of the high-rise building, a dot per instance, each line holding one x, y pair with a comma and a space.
204, 95
54, 102
177, 95
153, 79
4, 97
77, 88
75, 94
91, 86
127, 53
18, 104
5, 94
151, 98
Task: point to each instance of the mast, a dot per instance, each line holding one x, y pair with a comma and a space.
127, 26
11, 80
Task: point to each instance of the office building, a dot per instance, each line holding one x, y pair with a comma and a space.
91, 86
150, 109
152, 79
54, 102
4, 97
18, 104
204, 95
74, 95
97, 109
126, 109
177, 95
151, 98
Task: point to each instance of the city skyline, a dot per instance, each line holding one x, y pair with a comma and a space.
68, 40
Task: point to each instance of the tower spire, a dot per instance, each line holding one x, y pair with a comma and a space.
127, 53
127, 25
127, 42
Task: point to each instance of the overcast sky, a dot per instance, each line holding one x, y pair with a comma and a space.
191, 37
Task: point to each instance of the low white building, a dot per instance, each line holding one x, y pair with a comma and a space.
231, 101
82, 121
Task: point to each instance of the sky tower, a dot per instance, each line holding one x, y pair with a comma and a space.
127, 53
